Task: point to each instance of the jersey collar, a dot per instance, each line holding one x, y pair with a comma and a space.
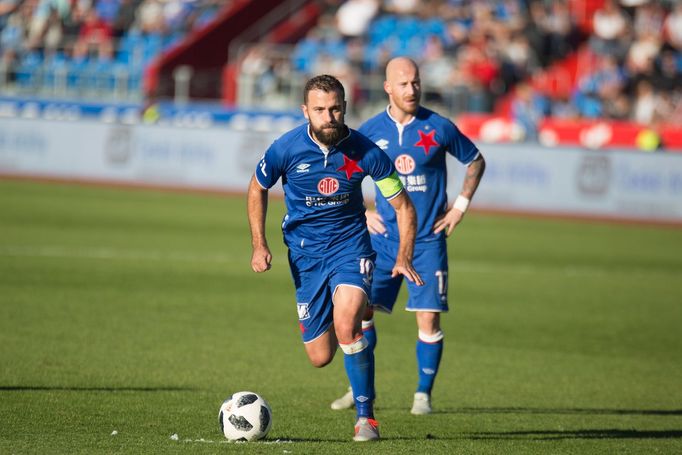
398, 124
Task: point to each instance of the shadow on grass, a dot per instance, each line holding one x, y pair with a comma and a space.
577, 434
537, 435
22, 388
578, 411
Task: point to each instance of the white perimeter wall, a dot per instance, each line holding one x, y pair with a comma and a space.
528, 178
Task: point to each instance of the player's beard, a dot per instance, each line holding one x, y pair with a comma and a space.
329, 134
409, 105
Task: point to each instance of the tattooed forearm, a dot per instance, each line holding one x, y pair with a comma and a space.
473, 177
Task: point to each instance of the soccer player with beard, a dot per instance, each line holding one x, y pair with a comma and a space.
322, 164
417, 141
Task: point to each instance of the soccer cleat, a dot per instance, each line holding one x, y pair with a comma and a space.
366, 429
345, 402
421, 404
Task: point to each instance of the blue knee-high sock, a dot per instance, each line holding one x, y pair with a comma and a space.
359, 362
429, 352
370, 332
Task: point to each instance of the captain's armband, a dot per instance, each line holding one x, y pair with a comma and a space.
390, 186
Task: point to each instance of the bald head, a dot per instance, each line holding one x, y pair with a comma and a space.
403, 87
401, 65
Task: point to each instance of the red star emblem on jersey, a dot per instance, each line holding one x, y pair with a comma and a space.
426, 140
350, 167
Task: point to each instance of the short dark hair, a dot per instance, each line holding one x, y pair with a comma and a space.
323, 82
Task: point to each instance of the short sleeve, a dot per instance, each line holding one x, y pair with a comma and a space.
269, 168
459, 145
381, 165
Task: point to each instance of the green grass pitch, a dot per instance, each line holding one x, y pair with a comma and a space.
128, 316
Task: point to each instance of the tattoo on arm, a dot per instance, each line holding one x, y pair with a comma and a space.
473, 177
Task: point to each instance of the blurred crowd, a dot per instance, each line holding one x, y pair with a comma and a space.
473, 53
95, 32
480, 50
479, 47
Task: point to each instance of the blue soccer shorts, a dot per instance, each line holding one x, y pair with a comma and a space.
431, 263
316, 280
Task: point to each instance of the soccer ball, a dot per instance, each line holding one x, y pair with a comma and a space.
245, 416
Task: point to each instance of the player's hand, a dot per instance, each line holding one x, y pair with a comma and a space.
261, 259
406, 269
375, 224
448, 221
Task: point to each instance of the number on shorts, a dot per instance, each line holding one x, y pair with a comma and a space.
366, 267
442, 276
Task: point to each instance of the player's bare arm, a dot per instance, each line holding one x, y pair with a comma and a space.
407, 228
257, 207
450, 219
375, 224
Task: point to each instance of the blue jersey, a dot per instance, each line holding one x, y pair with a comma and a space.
322, 188
418, 151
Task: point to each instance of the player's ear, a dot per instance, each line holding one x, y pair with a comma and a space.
387, 87
304, 108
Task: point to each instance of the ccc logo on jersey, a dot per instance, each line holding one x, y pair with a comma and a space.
405, 164
328, 186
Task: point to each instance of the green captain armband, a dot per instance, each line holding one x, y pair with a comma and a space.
390, 186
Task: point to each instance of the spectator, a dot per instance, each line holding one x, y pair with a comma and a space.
642, 53
561, 32
611, 30
401, 7
125, 17
107, 9
617, 107
71, 26
7, 8
563, 107
259, 68
12, 40
604, 84
672, 27
649, 19
518, 60
646, 105
354, 16
95, 38
528, 109
45, 29
537, 32
667, 75
150, 19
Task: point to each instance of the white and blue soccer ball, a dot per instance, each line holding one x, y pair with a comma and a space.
245, 416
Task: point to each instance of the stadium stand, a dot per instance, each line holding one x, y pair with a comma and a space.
596, 73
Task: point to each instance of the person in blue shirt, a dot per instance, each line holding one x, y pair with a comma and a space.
417, 141
322, 164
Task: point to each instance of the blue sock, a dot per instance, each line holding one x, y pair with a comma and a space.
428, 359
370, 332
360, 371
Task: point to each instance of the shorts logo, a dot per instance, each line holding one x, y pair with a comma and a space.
303, 312
405, 164
328, 186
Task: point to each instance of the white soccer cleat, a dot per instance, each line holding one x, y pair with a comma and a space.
421, 404
345, 402
366, 430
